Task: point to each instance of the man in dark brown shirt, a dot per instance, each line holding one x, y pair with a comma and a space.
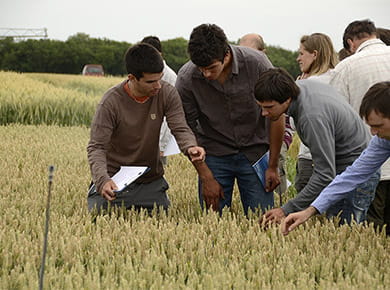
125, 132
217, 91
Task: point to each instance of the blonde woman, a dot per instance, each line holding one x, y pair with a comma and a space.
316, 59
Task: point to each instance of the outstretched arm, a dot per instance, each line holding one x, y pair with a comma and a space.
295, 219
101, 131
322, 147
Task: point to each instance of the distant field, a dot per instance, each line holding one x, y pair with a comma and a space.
67, 100
185, 249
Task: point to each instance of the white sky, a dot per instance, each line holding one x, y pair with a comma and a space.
279, 22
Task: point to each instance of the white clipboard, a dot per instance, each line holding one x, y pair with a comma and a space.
128, 174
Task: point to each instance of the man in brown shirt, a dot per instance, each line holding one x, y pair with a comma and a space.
125, 132
217, 90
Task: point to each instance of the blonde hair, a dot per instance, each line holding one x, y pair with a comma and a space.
326, 56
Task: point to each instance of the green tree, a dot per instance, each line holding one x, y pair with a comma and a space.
175, 52
284, 58
70, 56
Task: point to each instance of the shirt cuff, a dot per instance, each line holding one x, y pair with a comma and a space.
321, 208
288, 208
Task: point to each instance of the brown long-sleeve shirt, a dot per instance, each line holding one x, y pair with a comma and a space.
126, 133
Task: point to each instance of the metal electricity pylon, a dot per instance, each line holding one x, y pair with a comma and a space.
23, 33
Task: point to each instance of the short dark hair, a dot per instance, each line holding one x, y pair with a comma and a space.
153, 41
384, 35
376, 99
207, 43
276, 84
143, 58
358, 29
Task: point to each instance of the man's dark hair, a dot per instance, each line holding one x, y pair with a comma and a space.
143, 58
384, 35
376, 99
276, 84
207, 44
358, 29
153, 41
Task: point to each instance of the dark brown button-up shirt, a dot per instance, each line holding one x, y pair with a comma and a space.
225, 117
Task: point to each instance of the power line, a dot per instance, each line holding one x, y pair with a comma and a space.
23, 33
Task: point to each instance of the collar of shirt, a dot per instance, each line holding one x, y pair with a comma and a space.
293, 108
368, 43
139, 100
233, 50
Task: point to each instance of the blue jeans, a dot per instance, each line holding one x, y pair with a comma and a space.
356, 203
226, 169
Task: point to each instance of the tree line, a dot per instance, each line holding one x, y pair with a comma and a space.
69, 57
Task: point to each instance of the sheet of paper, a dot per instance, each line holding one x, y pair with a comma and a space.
128, 174
172, 147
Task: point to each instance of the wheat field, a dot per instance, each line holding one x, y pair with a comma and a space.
51, 99
182, 249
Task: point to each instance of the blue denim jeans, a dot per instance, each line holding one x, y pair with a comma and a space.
356, 203
226, 169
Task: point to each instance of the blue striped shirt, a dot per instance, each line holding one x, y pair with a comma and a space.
371, 159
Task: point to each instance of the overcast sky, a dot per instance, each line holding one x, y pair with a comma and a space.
280, 23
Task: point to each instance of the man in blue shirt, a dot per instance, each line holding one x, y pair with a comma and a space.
375, 110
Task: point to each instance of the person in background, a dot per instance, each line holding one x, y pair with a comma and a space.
384, 35
255, 41
217, 91
368, 64
381, 33
343, 53
332, 131
125, 132
316, 59
375, 110
170, 77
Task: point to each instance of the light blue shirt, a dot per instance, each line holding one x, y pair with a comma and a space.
371, 159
